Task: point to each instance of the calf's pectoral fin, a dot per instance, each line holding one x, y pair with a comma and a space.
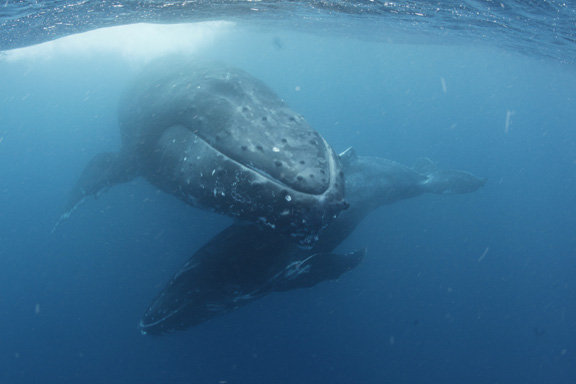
317, 268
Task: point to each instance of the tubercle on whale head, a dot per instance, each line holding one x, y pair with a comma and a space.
285, 208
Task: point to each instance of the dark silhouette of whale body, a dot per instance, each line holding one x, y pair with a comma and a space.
221, 140
244, 262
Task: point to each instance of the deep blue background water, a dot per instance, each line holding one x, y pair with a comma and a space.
474, 288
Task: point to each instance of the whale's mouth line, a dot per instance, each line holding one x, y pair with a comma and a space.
269, 177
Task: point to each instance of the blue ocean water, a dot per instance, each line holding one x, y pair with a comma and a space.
475, 288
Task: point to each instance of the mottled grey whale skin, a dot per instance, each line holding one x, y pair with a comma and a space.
245, 262
219, 139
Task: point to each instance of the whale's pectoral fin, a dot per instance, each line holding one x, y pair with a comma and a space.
103, 171
317, 268
452, 182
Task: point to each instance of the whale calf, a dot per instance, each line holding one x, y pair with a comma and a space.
219, 139
245, 262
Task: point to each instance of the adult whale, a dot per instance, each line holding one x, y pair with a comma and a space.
244, 262
219, 139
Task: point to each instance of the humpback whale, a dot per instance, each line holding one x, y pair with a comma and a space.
245, 262
219, 139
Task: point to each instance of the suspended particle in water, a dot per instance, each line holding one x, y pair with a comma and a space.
509, 115
443, 82
483, 255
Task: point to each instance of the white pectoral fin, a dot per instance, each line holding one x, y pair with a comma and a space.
317, 268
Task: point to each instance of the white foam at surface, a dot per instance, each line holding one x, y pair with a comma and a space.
140, 42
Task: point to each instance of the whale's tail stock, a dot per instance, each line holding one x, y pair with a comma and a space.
447, 181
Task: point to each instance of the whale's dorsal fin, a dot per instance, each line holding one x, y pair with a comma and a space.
348, 156
424, 166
